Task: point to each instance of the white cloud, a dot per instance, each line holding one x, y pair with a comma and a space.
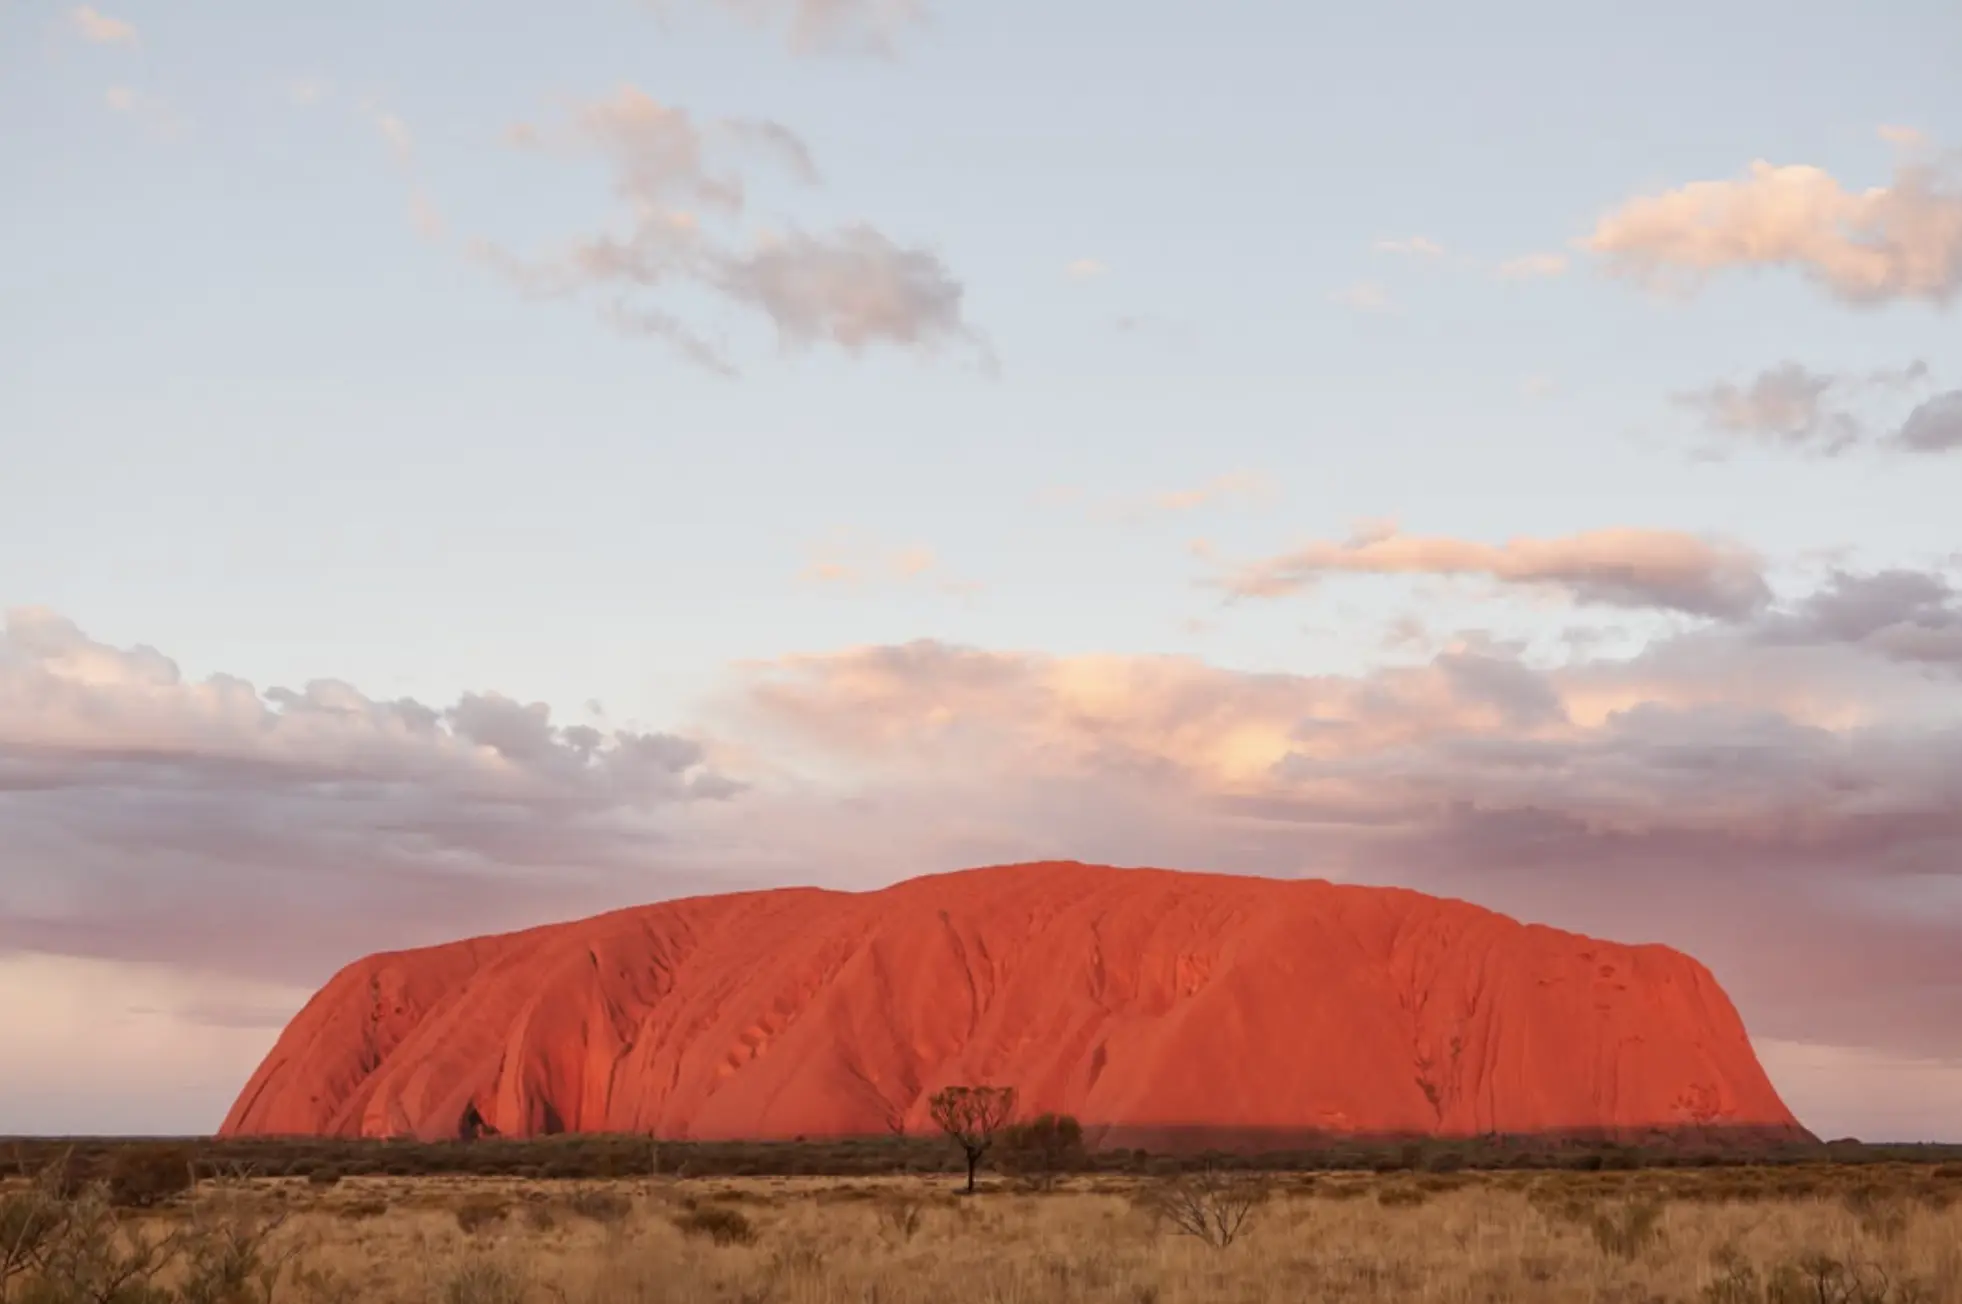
1084, 269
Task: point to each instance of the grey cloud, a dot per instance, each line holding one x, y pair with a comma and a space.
146, 816
1906, 615
851, 287
1806, 410
1786, 404
1933, 427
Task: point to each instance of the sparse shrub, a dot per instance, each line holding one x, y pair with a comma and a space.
718, 1223
324, 1176
32, 1222
599, 1204
901, 1217
1212, 1206
230, 1261
1628, 1229
486, 1281
481, 1212
372, 1206
1880, 1214
1401, 1197
143, 1176
1811, 1279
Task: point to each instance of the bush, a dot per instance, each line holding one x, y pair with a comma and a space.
1628, 1230
482, 1281
718, 1223
901, 1217
599, 1204
1041, 1150
143, 1176
1211, 1206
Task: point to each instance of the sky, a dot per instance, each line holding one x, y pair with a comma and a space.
464, 465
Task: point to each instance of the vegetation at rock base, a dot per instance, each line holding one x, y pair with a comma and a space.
1818, 1232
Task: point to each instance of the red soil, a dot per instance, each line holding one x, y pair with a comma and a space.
1150, 1004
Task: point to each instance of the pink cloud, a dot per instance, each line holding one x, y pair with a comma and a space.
1616, 567
1898, 241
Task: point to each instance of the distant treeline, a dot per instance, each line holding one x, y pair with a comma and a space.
593, 1157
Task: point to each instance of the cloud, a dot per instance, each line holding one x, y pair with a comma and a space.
1422, 246
1364, 296
1785, 404
1903, 615
1244, 488
392, 130
820, 26
683, 199
1801, 409
425, 216
1655, 569
849, 560
851, 288
305, 91
1933, 427
1902, 241
100, 29
1531, 266
186, 817
1905, 137
1084, 269
152, 112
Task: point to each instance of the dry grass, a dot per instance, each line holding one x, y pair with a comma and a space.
1728, 1236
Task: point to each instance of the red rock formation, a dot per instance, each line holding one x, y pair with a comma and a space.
1152, 1005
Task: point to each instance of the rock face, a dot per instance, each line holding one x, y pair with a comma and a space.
1160, 1008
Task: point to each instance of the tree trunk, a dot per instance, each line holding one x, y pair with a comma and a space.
973, 1158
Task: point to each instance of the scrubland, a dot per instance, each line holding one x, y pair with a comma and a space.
1819, 1233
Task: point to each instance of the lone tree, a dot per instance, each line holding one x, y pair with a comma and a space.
972, 1116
